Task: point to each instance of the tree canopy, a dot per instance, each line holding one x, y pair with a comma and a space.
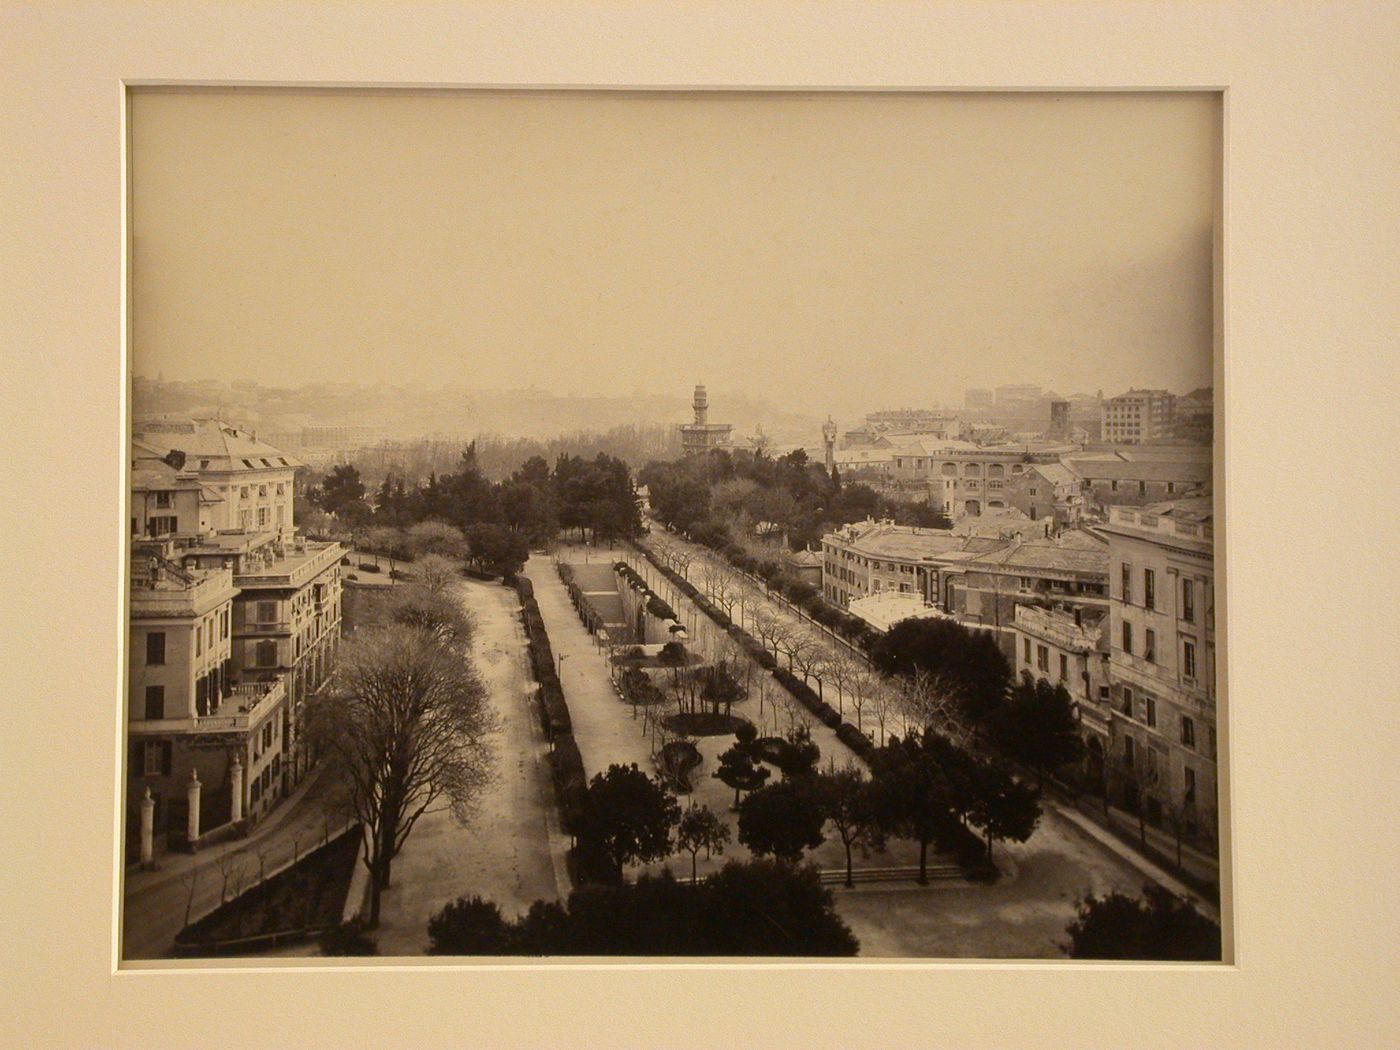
630, 816
758, 908
1159, 926
782, 819
965, 659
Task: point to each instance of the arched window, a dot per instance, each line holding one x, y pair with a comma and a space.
996, 470
973, 470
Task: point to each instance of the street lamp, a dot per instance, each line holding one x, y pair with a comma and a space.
559, 663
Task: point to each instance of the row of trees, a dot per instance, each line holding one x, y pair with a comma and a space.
759, 908
923, 672
593, 497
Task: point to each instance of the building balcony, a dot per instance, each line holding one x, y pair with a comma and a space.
243, 630
251, 702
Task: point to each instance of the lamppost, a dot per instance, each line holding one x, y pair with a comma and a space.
559, 663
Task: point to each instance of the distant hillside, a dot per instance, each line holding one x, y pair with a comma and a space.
456, 411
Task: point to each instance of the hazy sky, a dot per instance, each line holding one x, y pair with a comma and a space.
846, 253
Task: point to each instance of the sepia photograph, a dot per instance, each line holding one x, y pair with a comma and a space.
673, 524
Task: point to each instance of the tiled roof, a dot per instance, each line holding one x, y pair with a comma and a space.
151, 474
1053, 557
223, 445
1140, 470
1055, 473
882, 539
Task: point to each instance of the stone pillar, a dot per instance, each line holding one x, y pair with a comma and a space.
148, 828
235, 781
192, 794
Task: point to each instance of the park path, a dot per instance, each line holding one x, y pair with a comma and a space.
512, 851
603, 725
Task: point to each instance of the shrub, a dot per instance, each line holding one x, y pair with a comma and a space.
468, 926
368, 566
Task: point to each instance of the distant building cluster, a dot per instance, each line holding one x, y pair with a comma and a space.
234, 623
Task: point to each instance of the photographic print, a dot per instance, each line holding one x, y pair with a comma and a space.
672, 524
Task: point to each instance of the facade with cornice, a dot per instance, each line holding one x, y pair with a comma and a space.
218, 744
1162, 663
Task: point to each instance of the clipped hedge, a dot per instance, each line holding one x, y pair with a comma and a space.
570, 783
553, 710
857, 741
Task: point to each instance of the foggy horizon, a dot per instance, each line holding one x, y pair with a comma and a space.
839, 253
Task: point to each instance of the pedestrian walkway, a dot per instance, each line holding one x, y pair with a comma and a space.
1134, 857
512, 851
603, 725
1198, 866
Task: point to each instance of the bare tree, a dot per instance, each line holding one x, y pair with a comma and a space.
435, 573
231, 871
883, 702
841, 671
798, 647
862, 685
767, 628
795, 717
191, 879
408, 724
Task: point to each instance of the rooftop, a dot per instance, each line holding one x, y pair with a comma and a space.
887, 540
210, 444
886, 608
1094, 469
1079, 556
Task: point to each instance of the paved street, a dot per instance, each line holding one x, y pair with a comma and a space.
154, 902
512, 852
1021, 916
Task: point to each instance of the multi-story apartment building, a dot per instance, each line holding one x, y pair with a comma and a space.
166, 500
1162, 662
1138, 417
252, 480
875, 557
1017, 393
201, 742
220, 504
1070, 570
963, 478
1069, 646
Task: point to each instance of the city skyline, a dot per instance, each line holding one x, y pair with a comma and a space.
581, 243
